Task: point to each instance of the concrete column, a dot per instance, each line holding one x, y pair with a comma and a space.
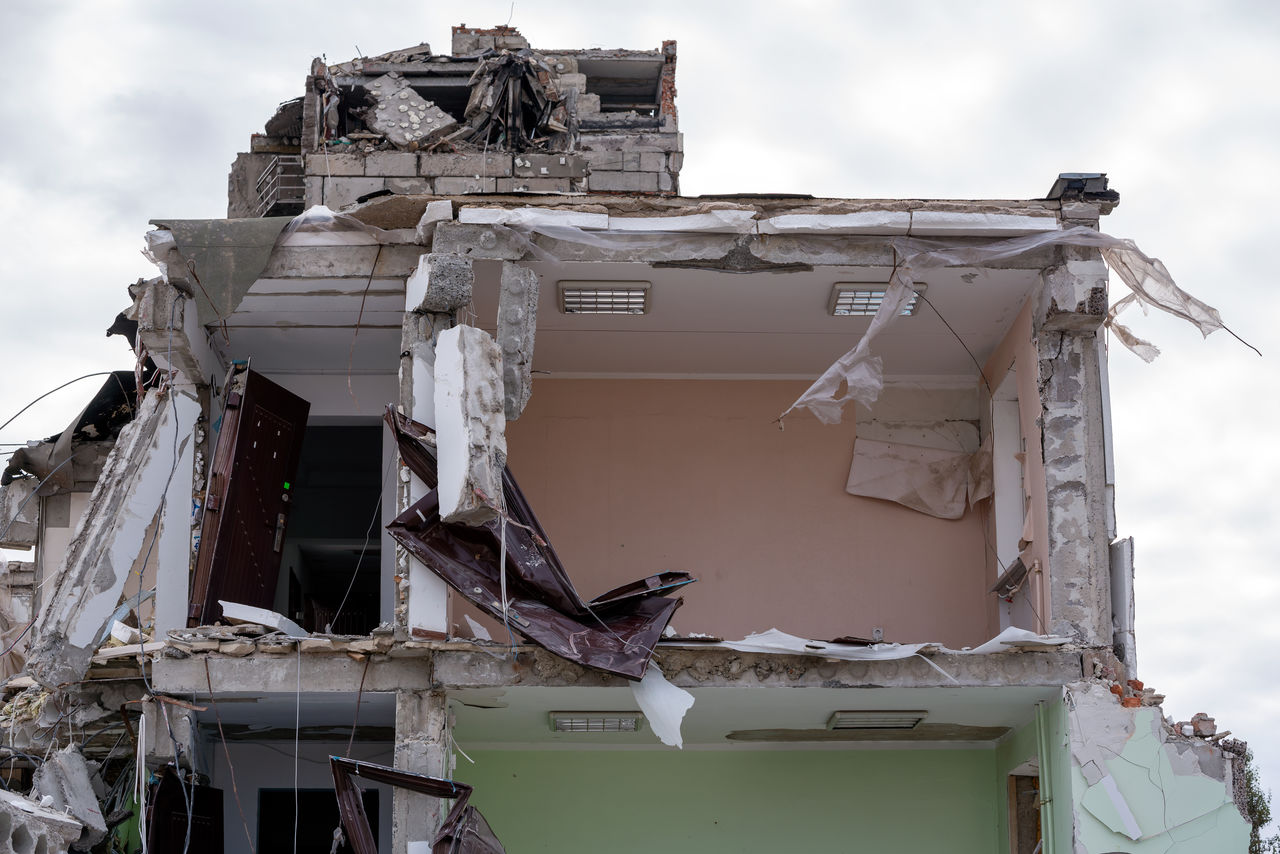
422, 747
1074, 446
441, 284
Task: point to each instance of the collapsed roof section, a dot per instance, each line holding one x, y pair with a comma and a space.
485, 118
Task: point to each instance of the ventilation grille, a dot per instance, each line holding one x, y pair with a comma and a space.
858, 300
595, 721
875, 719
604, 297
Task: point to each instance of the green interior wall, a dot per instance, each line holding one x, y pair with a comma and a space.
1055, 774
621, 801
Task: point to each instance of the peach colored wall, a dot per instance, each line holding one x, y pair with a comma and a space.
632, 477
1018, 349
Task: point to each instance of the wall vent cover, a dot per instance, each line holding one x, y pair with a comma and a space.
862, 299
595, 721
875, 719
604, 297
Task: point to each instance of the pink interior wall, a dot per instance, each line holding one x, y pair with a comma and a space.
632, 477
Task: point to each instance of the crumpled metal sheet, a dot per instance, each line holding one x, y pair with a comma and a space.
614, 632
464, 830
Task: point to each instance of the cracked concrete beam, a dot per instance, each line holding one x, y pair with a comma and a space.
517, 325
1075, 291
111, 538
441, 283
170, 330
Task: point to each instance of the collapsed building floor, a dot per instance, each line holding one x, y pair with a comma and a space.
296, 532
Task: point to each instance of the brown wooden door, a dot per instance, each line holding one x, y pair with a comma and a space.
247, 506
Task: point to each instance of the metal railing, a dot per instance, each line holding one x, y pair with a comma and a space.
280, 187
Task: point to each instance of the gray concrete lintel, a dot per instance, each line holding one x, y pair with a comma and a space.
455, 664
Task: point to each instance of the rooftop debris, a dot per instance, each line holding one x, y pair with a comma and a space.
464, 830
615, 632
512, 104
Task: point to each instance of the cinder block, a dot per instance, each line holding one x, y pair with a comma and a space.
343, 192
565, 82
312, 191
675, 161
652, 161
409, 186
623, 182
604, 160
549, 166
665, 182
461, 186
588, 104
464, 165
535, 185
394, 163
633, 141
334, 165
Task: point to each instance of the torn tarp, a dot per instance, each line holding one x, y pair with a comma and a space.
859, 373
464, 830
937, 482
615, 632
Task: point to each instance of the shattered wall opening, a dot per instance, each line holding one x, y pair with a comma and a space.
331, 557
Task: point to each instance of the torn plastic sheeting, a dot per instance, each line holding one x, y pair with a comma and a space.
463, 831
664, 705
615, 632
781, 643
320, 226
935, 481
1146, 277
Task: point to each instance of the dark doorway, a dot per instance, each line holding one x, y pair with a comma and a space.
332, 554
318, 817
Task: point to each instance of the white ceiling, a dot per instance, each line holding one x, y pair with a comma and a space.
701, 323
719, 711
518, 716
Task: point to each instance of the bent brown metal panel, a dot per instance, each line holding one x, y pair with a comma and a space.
615, 633
464, 830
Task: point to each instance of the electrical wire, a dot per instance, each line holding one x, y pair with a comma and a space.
51, 391
297, 736
368, 535
231, 768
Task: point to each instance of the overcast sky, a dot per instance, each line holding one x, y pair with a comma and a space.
124, 111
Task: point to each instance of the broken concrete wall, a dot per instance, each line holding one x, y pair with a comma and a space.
1138, 786
26, 827
113, 537
19, 514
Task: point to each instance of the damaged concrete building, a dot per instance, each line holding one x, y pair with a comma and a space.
296, 532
